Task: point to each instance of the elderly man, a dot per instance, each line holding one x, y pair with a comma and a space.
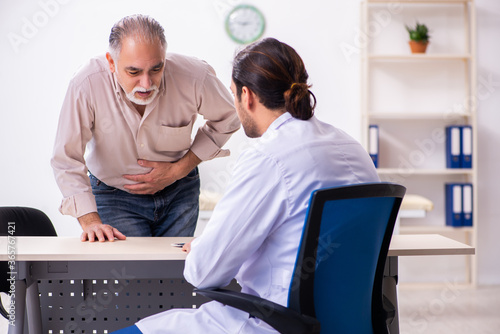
134, 110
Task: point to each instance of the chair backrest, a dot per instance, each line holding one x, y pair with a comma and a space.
25, 222
22, 221
340, 264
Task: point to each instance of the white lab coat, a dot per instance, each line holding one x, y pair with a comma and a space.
254, 232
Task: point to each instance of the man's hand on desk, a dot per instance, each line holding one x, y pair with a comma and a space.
93, 229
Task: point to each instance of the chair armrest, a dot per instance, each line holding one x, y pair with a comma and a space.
3, 312
281, 318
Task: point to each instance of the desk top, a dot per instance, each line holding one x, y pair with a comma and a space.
147, 248
72, 249
427, 244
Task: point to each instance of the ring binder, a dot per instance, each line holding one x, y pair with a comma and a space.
373, 145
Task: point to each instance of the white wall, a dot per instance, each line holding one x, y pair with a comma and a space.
44, 41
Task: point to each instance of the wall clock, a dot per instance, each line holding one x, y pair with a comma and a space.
245, 24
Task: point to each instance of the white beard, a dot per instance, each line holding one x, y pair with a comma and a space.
139, 101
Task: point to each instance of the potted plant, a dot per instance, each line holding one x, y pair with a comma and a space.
419, 38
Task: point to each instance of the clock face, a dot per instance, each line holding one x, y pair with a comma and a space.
245, 24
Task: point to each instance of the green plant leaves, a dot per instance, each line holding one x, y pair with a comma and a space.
420, 33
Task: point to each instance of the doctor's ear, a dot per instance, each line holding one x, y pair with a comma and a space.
248, 97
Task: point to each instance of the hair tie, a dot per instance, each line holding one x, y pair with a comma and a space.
295, 83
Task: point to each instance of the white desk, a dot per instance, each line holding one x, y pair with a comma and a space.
427, 244
145, 248
415, 245
63, 258
58, 259
72, 249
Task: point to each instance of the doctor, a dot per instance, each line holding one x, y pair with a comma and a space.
255, 229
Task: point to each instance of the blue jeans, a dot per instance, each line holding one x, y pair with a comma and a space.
171, 212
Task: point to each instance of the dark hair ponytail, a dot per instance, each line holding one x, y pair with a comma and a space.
277, 75
298, 101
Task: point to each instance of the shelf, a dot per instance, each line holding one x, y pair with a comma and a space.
403, 213
420, 1
419, 57
416, 171
433, 229
394, 116
412, 98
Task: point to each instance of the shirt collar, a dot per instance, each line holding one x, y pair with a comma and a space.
278, 122
271, 131
118, 88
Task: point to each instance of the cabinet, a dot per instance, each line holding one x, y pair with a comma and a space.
412, 98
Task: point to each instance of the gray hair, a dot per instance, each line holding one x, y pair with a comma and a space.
141, 27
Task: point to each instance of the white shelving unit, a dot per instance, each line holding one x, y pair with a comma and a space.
413, 97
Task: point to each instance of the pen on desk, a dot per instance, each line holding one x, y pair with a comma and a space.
178, 244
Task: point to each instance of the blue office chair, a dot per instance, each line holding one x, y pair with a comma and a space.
337, 282
21, 221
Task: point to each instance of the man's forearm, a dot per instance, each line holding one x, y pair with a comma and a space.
188, 162
89, 219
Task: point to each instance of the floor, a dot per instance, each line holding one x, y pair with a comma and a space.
439, 310
449, 310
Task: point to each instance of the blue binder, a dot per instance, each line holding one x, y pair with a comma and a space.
454, 213
467, 204
466, 139
373, 143
453, 147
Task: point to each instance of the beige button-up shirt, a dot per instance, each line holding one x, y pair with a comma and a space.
97, 115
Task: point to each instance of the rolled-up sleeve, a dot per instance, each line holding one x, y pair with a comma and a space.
68, 163
217, 107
